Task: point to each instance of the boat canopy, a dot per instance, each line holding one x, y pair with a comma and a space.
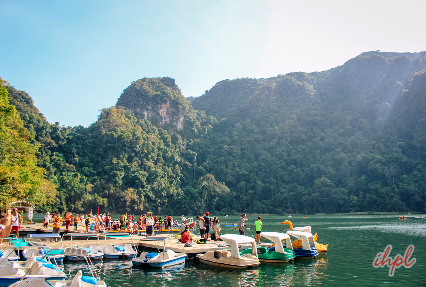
278, 238
307, 238
234, 240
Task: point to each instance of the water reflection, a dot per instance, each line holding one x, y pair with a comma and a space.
122, 273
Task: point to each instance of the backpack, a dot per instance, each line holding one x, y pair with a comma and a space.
213, 236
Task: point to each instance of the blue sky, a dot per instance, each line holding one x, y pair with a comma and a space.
76, 57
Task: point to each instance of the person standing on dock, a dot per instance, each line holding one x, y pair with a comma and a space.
207, 225
46, 220
241, 224
57, 222
169, 222
87, 222
149, 224
201, 223
258, 225
160, 225
67, 220
76, 220
16, 223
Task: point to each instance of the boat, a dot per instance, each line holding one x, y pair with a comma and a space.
128, 251
307, 244
233, 258
111, 251
11, 273
10, 254
78, 281
115, 252
80, 253
420, 217
160, 259
276, 254
56, 255
321, 248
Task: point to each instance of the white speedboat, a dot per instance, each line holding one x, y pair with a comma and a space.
159, 260
232, 259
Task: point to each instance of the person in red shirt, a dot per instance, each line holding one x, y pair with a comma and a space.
186, 236
169, 222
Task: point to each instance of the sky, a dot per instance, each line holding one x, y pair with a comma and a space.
75, 58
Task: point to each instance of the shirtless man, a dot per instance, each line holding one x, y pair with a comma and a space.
5, 226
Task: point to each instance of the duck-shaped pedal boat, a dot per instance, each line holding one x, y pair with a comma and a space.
321, 248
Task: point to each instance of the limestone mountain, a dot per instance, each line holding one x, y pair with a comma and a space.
158, 100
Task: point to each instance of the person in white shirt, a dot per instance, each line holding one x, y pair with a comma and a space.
149, 224
46, 220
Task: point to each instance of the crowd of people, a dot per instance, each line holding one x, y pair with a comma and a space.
129, 223
101, 222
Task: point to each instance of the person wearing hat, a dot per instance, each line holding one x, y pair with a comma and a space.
16, 222
258, 225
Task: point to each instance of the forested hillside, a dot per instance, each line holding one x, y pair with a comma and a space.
352, 138
334, 141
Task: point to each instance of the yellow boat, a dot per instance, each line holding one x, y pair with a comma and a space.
321, 248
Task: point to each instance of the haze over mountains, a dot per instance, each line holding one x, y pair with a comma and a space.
348, 139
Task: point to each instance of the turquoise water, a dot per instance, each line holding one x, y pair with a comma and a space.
354, 243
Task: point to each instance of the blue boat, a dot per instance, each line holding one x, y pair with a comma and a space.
159, 260
308, 249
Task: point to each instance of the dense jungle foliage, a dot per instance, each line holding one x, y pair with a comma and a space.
352, 138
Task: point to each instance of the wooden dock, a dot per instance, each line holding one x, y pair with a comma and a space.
141, 242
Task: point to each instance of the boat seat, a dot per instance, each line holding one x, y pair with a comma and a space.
93, 249
210, 254
261, 250
128, 248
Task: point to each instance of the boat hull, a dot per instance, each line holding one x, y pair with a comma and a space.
160, 263
8, 280
217, 263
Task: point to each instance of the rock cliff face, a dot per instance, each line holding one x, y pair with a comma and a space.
158, 100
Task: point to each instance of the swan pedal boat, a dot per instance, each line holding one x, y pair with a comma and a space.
308, 249
277, 254
159, 260
233, 258
78, 281
321, 248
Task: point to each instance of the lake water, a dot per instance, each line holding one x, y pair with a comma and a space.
354, 243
